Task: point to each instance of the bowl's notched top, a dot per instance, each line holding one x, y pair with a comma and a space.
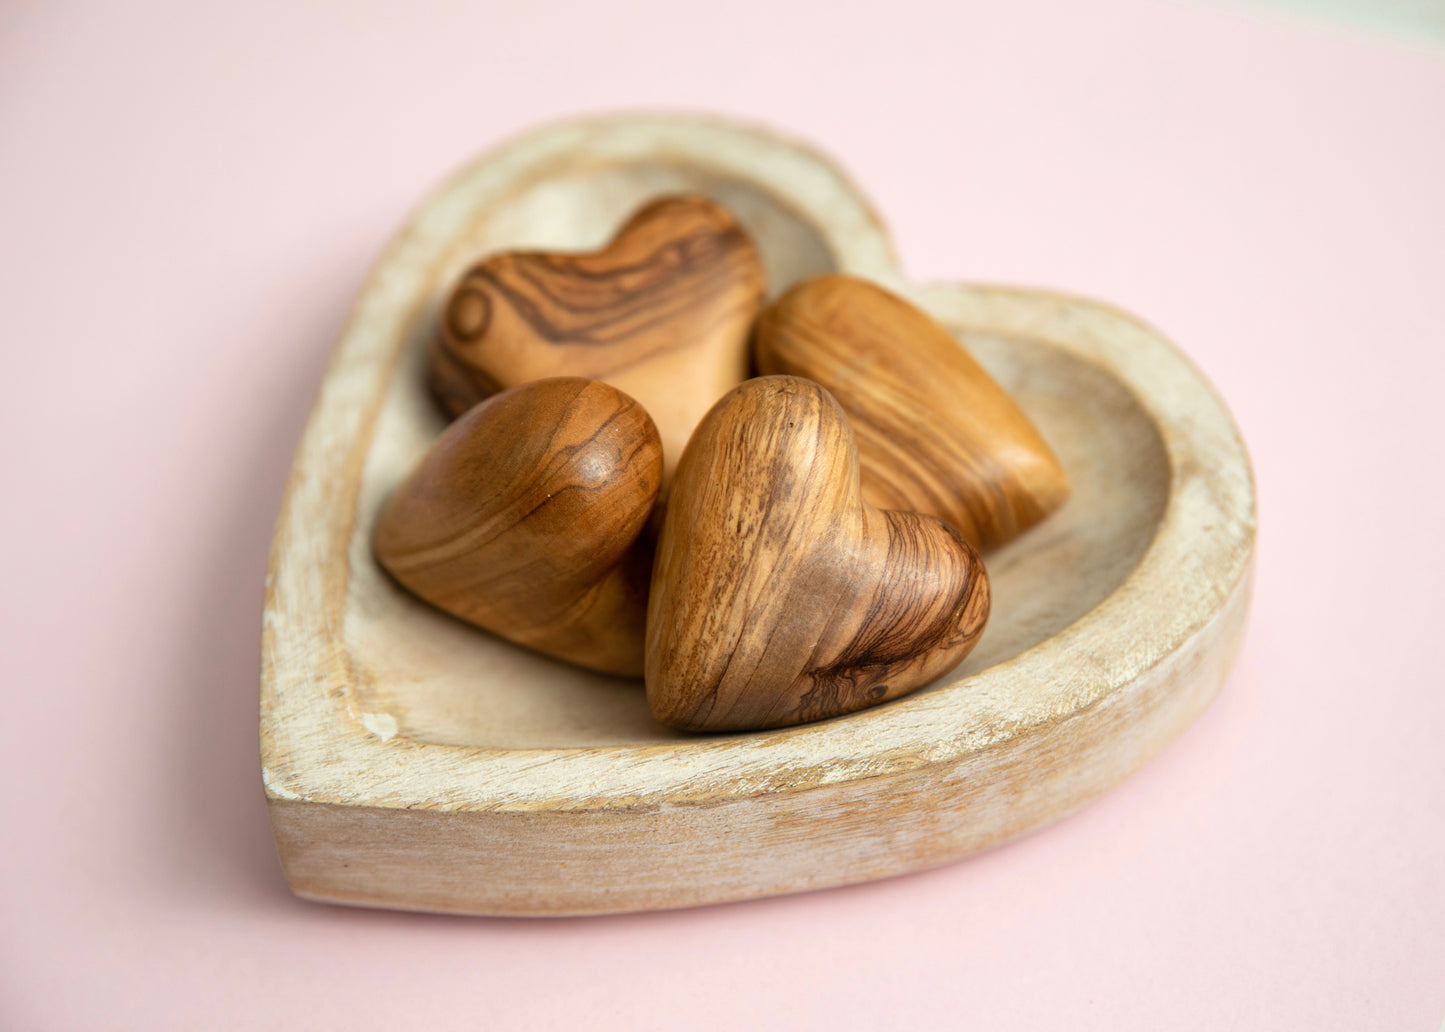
527, 518
779, 595
662, 313
936, 434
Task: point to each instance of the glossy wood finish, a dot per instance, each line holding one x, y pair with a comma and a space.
410, 761
778, 595
662, 313
936, 433
526, 517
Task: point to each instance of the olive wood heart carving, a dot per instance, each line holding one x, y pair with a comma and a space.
778, 594
936, 433
526, 516
661, 313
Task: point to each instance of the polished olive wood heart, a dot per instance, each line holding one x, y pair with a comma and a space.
662, 313
778, 595
526, 518
936, 433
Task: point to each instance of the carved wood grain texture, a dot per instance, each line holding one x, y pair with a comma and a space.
662, 313
779, 596
936, 434
526, 518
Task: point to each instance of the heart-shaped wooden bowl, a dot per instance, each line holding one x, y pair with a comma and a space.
412, 761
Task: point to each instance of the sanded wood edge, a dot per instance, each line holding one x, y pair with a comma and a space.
669, 856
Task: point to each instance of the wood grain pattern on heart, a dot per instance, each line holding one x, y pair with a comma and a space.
778, 595
526, 518
661, 313
936, 433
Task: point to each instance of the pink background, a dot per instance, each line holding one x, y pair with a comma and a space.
189, 198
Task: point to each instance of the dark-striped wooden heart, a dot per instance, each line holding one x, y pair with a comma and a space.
662, 313
526, 518
936, 433
778, 595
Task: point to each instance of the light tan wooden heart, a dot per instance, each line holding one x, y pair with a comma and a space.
411, 762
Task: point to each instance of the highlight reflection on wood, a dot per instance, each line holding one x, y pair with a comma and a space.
524, 518
778, 595
936, 433
662, 313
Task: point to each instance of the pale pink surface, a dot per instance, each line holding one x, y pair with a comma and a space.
188, 201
